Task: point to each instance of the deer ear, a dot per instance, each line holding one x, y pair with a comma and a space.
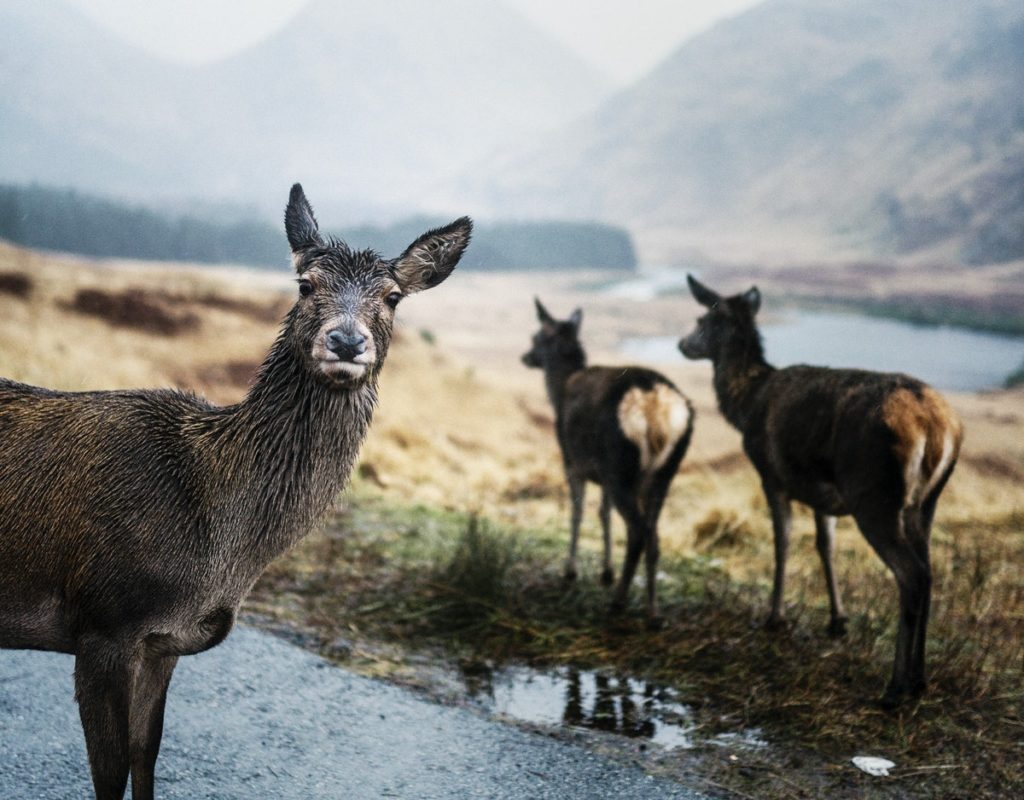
576, 318
542, 313
432, 257
752, 297
300, 223
702, 294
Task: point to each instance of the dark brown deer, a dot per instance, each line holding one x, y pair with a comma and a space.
624, 428
878, 446
133, 523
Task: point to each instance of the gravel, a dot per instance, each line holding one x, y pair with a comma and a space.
260, 718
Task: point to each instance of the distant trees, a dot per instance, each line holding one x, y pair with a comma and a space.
67, 220
74, 222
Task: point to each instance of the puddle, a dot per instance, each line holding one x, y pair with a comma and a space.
598, 701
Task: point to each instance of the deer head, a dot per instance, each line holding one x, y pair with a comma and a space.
557, 341
728, 321
342, 321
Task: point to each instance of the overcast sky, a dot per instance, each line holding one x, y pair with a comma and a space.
622, 38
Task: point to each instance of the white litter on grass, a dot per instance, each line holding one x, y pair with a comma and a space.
873, 765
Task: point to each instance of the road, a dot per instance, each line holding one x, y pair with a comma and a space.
258, 717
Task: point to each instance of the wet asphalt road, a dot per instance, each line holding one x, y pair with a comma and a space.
260, 718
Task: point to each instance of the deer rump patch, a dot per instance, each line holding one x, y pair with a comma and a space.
928, 438
654, 420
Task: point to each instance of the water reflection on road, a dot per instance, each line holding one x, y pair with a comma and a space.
594, 700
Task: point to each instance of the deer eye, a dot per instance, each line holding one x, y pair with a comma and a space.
393, 298
305, 288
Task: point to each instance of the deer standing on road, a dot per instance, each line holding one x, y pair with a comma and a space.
878, 446
624, 428
133, 523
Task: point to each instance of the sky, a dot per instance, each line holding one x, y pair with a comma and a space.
621, 38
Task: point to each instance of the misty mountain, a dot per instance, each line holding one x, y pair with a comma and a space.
804, 128
373, 105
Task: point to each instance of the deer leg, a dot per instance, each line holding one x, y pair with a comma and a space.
913, 579
655, 498
781, 520
636, 539
919, 532
605, 513
103, 684
825, 540
577, 489
651, 555
146, 721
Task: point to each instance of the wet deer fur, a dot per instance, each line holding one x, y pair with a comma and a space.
133, 523
623, 428
877, 446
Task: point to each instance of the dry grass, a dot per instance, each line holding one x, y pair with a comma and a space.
15, 283
464, 429
44, 340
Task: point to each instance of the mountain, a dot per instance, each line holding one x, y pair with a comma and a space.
78, 107
803, 128
372, 103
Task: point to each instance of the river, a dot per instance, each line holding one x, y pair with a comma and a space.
947, 358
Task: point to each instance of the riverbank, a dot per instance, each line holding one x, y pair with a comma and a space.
988, 299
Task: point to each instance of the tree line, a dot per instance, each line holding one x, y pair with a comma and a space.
75, 222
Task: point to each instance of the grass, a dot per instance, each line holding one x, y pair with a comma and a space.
402, 582
453, 545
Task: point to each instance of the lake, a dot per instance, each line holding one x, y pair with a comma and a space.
947, 358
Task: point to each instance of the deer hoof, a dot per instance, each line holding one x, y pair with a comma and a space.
892, 699
897, 694
837, 627
607, 577
775, 623
655, 622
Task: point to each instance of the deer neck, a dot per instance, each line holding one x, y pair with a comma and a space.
285, 451
556, 377
740, 371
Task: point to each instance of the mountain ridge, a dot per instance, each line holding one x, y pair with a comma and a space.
804, 127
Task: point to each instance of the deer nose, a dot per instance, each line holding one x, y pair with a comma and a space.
346, 345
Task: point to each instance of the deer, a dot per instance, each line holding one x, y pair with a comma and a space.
134, 523
877, 446
625, 429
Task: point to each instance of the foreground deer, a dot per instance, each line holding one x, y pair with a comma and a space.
878, 446
133, 523
624, 428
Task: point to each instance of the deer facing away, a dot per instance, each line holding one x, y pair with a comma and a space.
623, 428
878, 446
133, 523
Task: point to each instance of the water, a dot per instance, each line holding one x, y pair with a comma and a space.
595, 700
947, 358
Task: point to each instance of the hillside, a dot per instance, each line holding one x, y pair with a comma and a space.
805, 127
371, 104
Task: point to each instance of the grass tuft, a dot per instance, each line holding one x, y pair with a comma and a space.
477, 579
